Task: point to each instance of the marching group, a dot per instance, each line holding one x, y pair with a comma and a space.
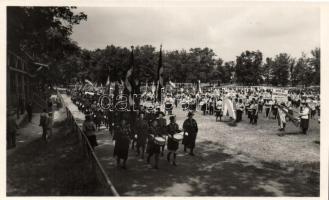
147, 131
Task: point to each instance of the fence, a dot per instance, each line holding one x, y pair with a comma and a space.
88, 152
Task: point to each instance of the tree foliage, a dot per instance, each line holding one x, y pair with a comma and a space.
248, 67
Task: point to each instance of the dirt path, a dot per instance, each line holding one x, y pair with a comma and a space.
218, 169
57, 168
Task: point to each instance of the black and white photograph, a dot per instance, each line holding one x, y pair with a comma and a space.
154, 101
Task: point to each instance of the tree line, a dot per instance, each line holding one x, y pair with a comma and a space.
45, 32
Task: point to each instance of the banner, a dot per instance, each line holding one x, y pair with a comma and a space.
281, 95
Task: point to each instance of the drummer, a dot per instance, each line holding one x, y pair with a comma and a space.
169, 101
162, 123
152, 147
172, 145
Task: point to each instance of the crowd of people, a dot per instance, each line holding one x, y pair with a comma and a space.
146, 130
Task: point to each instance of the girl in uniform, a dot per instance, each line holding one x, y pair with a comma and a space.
172, 145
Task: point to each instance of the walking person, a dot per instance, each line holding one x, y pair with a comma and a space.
141, 129
11, 129
153, 147
190, 127
172, 145
122, 142
29, 111
239, 110
50, 123
304, 116
44, 124
89, 129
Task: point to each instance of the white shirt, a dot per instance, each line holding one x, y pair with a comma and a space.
304, 113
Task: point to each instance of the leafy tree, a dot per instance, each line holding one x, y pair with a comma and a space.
315, 63
43, 34
248, 67
280, 69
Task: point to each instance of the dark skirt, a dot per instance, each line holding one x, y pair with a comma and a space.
121, 148
189, 140
172, 144
304, 123
219, 113
92, 140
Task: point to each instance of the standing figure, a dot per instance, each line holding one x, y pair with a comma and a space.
219, 109
304, 116
162, 123
239, 110
89, 128
172, 145
153, 148
122, 142
29, 111
190, 127
141, 129
11, 129
282, 117
43, 123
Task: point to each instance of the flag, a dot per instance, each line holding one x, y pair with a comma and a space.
153, 87
199, 85
160, 76
108, 81
89, 82
172, 84
129, 77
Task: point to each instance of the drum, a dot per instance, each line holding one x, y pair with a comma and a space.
178, 137
168, 106
159, 141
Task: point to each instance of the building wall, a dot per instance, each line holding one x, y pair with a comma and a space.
19, 83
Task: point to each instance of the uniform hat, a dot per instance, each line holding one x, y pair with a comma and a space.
190, 114
161, 113
172, 117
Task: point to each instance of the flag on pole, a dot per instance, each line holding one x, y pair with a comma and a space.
153, 88
129, 77
160, 76
89, 82
172, 84
199, 85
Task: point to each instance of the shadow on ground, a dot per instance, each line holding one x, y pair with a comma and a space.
56, 168
214, 172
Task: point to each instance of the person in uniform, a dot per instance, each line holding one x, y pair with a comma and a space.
162, 123
153, 148
268, 106
239, 110
190, 127
89, 128
253, 109
122, 142
11, 129
282, 117
172, 145
141, 129
304, 116
219, 109
43, 122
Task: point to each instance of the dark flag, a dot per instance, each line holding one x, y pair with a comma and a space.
129, 78
160, 76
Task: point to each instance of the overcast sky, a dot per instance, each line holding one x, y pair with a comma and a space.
227, 30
